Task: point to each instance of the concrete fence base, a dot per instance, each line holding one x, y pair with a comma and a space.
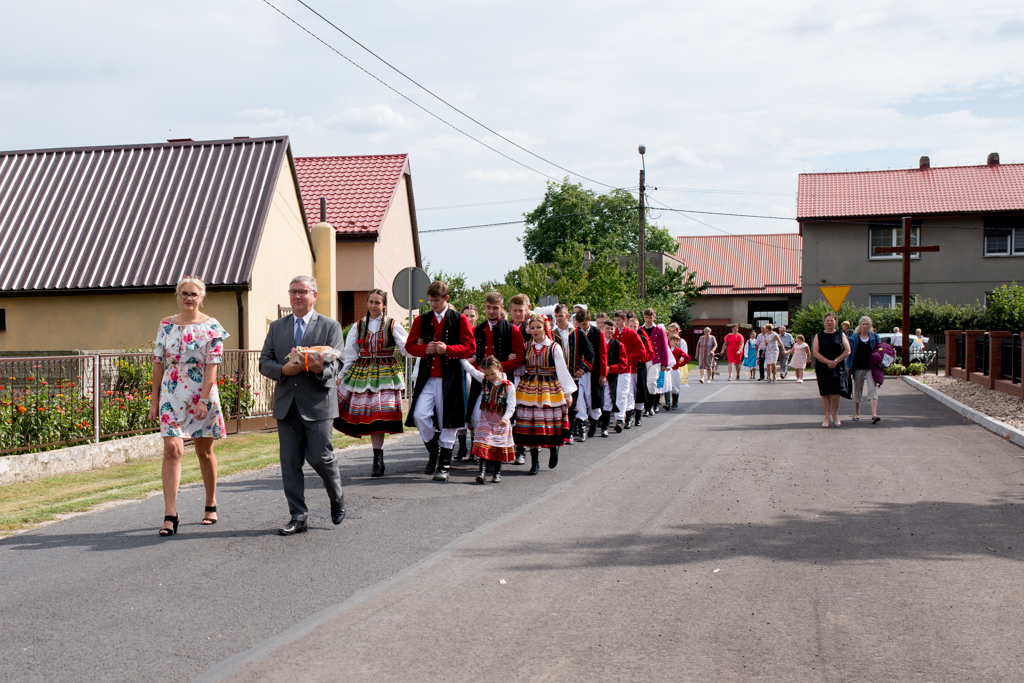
90, 456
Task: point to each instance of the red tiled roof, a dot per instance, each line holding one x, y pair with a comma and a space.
911, 192
358, 189
744, 264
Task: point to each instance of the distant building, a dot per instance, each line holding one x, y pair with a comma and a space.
755, 279
94, 239
974, 213
370, 204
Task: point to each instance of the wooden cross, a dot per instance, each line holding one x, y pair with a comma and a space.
905, 250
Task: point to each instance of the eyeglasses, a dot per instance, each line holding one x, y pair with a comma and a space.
189, 295
299, 292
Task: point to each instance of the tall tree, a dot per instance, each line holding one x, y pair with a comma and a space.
605, 225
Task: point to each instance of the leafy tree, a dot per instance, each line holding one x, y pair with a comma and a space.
1006, 308
606, 225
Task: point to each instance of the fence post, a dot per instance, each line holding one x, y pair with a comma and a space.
951, 358
995, 357
97, 386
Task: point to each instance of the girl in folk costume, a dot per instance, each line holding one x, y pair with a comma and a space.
750, 353
679, 375
492, 418
370, 389
543, 396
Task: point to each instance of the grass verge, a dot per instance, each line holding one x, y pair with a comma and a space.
32, 502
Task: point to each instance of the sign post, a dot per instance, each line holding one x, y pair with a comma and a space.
906, 250
410, 290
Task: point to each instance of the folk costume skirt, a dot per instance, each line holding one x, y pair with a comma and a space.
370, 398
492, 440
542, 412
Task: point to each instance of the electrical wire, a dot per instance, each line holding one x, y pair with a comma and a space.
466, 206
745, 192
407, 98
446, 103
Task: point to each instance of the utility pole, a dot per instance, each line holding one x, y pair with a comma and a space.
642, 270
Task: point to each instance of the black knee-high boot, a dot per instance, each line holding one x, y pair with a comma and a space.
605, 420
637, 417
433, 448
553, 460
481, 476
534, 460
462, 448
675, 401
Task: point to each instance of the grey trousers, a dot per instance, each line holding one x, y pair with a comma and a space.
301, 440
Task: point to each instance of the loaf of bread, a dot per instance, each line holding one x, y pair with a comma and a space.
299, 353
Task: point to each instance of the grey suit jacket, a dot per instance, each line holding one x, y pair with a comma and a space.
314, 395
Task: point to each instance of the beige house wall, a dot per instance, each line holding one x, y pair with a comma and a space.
395, 250
355, 266
100, 322
283, 253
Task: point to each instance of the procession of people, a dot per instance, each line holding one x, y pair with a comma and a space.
516, 382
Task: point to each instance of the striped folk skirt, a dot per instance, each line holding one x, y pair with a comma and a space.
542, 413
493, 440
370, 398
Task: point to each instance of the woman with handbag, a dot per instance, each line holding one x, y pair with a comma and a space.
860, 364
830, 349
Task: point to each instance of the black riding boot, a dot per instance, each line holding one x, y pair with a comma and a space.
668, 401
444, 464
378, 463
481, 476
432, 451
534, 460
592, 427
675, 401
605, 419
629, 419
462, 447
582, 430
496, 477
553, 460
637, 417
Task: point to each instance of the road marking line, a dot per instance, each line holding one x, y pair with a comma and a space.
225, 668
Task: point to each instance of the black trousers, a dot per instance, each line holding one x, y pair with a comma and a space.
760, 363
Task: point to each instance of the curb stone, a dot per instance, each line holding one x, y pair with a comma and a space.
993, 425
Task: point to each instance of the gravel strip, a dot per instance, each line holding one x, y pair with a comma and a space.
995, 404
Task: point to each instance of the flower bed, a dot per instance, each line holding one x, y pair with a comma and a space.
995, 404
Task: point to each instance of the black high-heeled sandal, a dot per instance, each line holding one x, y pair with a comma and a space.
172, 531
206, 520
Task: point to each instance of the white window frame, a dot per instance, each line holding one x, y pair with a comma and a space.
895, 300
897, 241
1016, 246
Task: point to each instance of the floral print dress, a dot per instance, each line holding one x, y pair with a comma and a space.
185, 351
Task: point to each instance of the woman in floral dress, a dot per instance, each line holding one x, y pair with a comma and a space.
188, 348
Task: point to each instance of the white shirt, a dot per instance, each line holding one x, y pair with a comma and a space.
564, 334
897, 339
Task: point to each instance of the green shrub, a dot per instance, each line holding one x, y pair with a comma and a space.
916, 369
932, 317
1005, 309
896, 369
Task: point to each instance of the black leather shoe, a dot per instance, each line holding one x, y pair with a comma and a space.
338, 510
592, 428
296, 526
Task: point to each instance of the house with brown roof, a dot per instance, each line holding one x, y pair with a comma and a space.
974, 213
94, 239
369, 201
754, 279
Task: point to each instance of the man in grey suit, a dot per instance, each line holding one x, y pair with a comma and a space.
305, 401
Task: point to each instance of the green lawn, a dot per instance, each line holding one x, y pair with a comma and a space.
32, 502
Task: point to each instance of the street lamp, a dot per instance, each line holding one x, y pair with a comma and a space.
642, 269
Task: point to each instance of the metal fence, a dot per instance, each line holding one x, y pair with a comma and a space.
52, 401
1010, 359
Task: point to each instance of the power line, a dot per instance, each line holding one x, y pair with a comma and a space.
471, 227
692, 189
408, 99
445, 102
466, 206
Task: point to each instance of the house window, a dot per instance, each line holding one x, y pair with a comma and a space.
1003, 237
889, 300
887, 235
3, 319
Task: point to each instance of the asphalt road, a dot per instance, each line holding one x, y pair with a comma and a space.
885, 552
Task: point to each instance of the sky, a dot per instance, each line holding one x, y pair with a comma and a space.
733, 100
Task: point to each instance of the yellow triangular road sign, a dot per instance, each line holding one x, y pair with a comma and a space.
835, 296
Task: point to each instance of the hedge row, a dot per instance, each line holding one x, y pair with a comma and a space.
1005, 311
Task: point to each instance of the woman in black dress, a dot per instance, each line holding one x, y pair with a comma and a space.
830, 348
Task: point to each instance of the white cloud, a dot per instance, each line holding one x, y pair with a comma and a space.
373, 119
481, 177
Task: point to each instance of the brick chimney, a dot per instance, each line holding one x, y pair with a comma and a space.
993, 159
925, 163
